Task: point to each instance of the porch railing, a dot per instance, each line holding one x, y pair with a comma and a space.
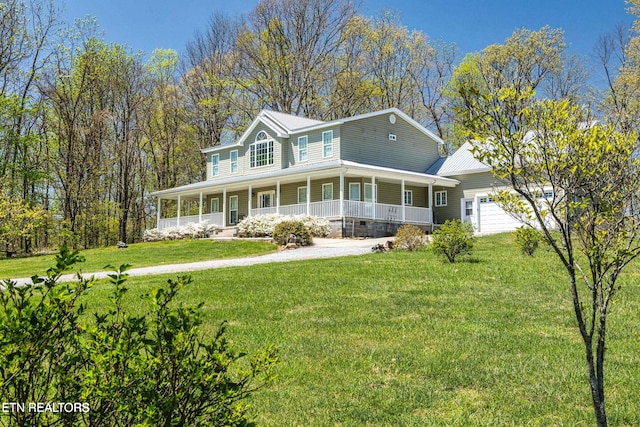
329, 209
211, 218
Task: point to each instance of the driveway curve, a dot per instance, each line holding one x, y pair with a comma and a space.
322, 248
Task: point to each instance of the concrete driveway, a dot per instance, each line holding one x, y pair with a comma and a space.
322, 248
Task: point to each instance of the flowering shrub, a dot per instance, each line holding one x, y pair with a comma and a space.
264, 225
187, 231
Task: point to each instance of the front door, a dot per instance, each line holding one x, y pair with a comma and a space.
233, 210
467, 208
266, 199
369, 199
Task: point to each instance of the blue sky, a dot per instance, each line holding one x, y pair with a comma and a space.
471, 24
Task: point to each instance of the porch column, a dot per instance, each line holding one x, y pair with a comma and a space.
402, 195
277, 197
224, 207
309, 195
178, 218
200, 209
158, 214
430, 196
373, 196
341, 194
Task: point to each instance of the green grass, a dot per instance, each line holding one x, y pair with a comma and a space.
407, 339
139, 255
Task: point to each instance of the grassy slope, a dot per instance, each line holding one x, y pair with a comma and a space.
407, 339
139, 255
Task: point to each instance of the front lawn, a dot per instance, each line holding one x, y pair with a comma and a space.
140, 255
407, 339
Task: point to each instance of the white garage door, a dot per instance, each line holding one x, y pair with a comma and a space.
492, 219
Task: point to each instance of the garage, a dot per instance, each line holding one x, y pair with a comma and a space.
487, 216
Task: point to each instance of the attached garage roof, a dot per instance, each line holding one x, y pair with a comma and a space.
459, 163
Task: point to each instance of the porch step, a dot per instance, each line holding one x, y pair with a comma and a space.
226, 232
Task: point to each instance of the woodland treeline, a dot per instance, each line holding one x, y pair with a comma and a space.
88, 128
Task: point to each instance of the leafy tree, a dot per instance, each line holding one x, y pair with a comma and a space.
17, 221
453, 238
589, 172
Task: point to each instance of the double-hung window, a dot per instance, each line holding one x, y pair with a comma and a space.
302, 194
215, 164
408, 197
302, 148
441, 198
327, 144
233, 161
261, 151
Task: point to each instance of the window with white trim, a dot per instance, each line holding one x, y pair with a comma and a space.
303, 142
302, 194
327, 144
441, 198
266, 199
468, 207
215, 205
408, 197
215, 164
327, 192
233, 161
261, 151
354, 191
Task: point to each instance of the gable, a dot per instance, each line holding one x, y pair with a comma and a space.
388, 139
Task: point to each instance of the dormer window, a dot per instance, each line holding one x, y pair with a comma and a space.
261, 151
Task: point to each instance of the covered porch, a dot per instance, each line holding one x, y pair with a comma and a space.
345, 192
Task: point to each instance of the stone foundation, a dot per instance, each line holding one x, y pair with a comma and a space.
369, 228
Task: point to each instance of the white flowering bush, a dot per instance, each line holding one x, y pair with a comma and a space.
187, 231
264, 225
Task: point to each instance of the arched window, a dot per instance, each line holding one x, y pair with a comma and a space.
261, 151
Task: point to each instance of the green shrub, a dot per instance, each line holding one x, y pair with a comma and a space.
527, 239
116, 368
453, 238
410, 238
287, 231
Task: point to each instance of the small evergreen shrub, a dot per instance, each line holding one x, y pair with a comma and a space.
296, 230
527, 239
410, 238
453, 238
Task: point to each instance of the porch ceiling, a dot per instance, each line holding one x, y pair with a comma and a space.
297, 174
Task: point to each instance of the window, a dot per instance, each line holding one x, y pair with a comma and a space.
327, 143
408, 197
441, 198
261, 152
327, 192
302, 148
215, 164
468, 207
233, 157
215, 205
266, 199
354, 191
302, 194
486, 199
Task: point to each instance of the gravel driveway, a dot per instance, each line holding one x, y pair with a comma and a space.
322, 248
